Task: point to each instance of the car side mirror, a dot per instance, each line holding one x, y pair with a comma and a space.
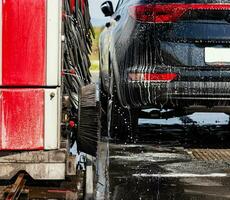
107, 8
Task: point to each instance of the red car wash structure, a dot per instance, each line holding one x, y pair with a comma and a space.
31, 40
30, 74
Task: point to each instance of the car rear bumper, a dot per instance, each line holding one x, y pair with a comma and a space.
177, 93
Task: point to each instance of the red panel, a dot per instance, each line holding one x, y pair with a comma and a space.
21, 119
24, 39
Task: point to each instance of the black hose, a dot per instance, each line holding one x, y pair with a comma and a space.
78, 33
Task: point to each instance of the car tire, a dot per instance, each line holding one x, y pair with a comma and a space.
121, 122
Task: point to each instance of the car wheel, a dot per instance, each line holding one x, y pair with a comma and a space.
121, 122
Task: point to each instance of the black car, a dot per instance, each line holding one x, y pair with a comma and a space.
168, 55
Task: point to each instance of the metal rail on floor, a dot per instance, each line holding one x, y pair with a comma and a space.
25, 188
14, 191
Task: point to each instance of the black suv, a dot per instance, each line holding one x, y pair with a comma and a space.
168, 55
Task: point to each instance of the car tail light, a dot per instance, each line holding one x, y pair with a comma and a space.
157, 13
166, 13
160, 76
153, 77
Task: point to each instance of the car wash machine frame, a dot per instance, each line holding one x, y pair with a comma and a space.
44, 64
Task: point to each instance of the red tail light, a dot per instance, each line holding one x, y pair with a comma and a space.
166, 13
154, 77
164, 77
157, 13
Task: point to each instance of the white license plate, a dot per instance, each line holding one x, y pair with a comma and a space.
219, 56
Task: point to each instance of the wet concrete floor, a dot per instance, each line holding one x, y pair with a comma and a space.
168, 160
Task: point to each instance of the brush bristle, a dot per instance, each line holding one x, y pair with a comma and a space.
89, 116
